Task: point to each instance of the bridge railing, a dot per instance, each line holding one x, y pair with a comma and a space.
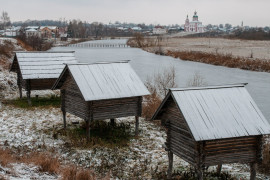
99, 45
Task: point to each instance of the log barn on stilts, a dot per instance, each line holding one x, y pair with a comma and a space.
39, 70
101, 91
209, 126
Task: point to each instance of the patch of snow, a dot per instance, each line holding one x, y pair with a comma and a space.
21, 171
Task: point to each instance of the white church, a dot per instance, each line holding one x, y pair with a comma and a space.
195, 25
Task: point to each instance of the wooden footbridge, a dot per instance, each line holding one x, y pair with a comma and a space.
99, 45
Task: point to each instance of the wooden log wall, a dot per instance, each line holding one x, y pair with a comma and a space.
73, 101
115, 108
179, 139
42, 84
98, 110
232, 150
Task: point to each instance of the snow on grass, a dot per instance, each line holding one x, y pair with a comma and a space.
21, 171
143, 158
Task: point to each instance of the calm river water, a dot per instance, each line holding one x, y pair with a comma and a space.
146, 64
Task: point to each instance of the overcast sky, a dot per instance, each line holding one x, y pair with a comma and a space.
165, 12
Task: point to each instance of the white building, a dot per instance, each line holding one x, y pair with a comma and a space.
12, 31
32, 32
159, 30
195, 25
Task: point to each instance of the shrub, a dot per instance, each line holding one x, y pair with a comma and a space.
74, 173
222, 60
158, 86
196, 81
45, 162
35, 43
7, 48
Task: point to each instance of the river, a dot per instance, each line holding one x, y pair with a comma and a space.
146, 64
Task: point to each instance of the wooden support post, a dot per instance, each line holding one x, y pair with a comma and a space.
20, 90
63, 108
219, 167
170, 167
19, 83
200, 160
137, 126
113, 122
253, 166
28, 85
89, 119
64, 119
199, 172
88, 129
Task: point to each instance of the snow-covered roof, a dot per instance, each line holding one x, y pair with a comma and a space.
106, 80
50, 27
219, 112
32, 27
136, 28
31, 30
43, 65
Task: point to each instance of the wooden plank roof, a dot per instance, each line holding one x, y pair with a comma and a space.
219, 112
108, 80
43, 65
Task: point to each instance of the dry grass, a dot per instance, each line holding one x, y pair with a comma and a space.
6, 52
2, 177
46, 162
222, 60
6, 157
24, 45
152, 103
75, 173
7, 48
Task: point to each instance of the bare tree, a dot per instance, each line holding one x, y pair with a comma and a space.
5, 19
158, 86
97, 29
197, 80
162, 81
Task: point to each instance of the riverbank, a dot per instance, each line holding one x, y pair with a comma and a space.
243, 54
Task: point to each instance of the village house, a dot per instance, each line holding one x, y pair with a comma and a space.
32, 31
213, 125
12, 31
159, 30
49, 32
195, 25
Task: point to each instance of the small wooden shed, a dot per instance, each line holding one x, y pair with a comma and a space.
213, 125
101, 91
39, 70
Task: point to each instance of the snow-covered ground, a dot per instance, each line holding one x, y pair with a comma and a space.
144, 156
21, 171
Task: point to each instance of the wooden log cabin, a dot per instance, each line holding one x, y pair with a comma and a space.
213, 125
39, 70
101, 91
